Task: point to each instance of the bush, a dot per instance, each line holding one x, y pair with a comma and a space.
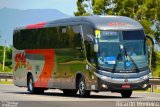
156, 64
6, 69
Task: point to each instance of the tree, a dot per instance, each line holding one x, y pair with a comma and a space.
8, 60
93, 7
99, 7
81, 9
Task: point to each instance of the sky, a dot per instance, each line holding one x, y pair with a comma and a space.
65, 6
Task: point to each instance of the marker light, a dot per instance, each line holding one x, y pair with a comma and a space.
145, 77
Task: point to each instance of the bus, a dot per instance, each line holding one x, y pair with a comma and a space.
82, 54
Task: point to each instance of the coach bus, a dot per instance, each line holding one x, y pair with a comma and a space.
82, 54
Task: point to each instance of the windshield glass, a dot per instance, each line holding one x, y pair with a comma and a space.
122, 50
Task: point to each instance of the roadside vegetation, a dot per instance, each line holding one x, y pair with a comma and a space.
8, 59
6, 82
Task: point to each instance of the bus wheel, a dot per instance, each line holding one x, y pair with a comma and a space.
126, 94
31, 88
30, 84
82, 88
69, 92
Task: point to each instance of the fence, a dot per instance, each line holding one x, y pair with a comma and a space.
154, 82
6, 76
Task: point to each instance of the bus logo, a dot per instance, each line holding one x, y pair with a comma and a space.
20, 60
118, 24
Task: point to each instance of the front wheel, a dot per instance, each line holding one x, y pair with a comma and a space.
82, 88
126, 94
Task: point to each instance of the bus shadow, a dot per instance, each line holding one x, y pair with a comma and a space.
74, 96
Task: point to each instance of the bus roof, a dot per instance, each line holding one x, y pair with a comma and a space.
98, 22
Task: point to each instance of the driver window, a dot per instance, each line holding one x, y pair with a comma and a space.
89, 45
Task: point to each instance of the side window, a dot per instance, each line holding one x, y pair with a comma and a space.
16, 39
75, 37
43, 38
89, 45
52, 35
63, 37
47, 38
24, 39
75, 41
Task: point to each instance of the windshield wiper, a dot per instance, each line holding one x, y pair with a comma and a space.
120, 58
127, 55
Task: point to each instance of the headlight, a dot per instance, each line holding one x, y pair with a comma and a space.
145, 77
150, 75
102, 77
105, 78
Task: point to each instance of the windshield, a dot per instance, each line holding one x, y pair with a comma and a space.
122, 50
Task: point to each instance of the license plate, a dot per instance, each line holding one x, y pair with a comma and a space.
126, 86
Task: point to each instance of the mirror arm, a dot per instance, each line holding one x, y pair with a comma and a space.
151, 41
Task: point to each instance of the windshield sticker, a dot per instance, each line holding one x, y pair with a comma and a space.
110, 60
97, 33
128, 63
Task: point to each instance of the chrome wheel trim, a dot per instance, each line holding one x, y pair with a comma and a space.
30, 85
81, 87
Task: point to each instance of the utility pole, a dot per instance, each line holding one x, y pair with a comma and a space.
4, 55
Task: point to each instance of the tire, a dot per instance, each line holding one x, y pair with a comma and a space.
126, 94
31, 88
82, 89
69, 92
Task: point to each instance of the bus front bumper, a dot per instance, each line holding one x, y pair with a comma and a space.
118, 84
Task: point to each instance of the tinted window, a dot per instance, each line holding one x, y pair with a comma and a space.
133, 35
63, 37
76, 42
47, 38
16, 39
89, 45
44, 38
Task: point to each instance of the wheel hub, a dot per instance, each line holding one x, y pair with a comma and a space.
81, 88
31, 85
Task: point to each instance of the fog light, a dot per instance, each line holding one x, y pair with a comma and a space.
144, 86
104, 86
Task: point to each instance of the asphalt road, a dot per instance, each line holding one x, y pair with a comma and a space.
12, 96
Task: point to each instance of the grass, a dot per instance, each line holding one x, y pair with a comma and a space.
7, 72
157, 90
149, 90
6, 82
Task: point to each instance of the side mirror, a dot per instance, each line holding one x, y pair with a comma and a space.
96, 47
152, 41
150, 51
